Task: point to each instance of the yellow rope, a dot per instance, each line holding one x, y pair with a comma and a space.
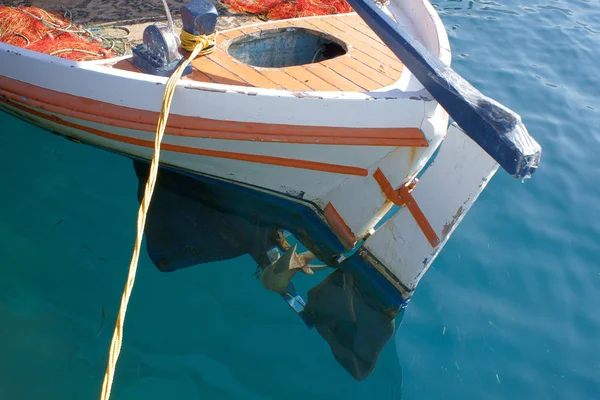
199, 48
189, 42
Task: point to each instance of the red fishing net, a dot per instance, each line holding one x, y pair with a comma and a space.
49, 33
284, 9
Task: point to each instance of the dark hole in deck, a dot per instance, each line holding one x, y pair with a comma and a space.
285, 47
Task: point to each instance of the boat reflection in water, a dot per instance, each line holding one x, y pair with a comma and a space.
190, 223
333, 129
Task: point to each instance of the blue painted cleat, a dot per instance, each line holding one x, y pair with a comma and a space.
199, 17
159, 52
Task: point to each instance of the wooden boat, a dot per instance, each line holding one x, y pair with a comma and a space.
312, 126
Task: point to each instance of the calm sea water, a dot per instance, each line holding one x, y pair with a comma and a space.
509, 310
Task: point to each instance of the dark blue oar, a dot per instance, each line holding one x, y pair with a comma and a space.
497, 129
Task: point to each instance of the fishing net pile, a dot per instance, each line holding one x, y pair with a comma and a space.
50, 33
284, 9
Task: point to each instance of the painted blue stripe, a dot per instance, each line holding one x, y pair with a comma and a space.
498, 130
363, 265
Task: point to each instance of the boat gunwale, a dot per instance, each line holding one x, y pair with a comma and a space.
392, 91
102, 68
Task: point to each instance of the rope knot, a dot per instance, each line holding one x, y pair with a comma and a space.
189, 42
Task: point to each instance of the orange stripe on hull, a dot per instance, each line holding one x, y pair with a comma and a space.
254, 158
355, 141
208, 128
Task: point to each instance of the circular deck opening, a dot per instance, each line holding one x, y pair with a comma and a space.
285, 47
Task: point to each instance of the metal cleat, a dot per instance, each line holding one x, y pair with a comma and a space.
159, 52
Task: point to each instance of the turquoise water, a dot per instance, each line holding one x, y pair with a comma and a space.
509, 310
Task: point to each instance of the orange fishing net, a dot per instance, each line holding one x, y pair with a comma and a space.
49, 33
284, 9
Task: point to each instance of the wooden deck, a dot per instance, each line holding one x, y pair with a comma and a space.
367, 66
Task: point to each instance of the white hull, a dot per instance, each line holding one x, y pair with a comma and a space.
338, 173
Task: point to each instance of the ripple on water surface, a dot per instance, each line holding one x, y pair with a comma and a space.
509, 309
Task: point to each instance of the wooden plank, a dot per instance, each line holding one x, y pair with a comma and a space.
283, 79
357, 58
362, 81
358, 30
199, 76
276, 75
326, 81
221, 37
351, 62
301, 23
373, 58
217, 73
230, 34
327, 78
365, 33
245, 72
267, 26
334, 78
361, 40
365, 30
390, 68
373, 47
352, 75
310, 79
245, 30
336, 74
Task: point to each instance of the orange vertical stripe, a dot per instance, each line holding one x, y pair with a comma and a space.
403, 197
339, 226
